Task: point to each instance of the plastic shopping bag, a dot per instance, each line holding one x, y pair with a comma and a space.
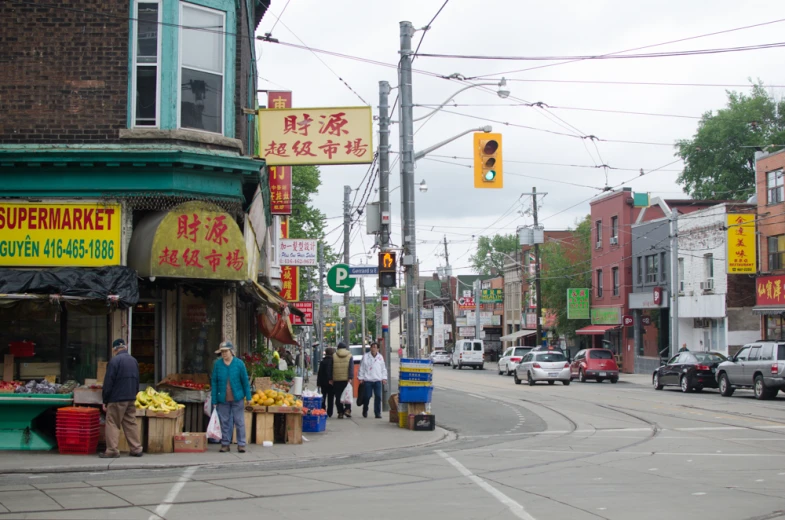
347, 396
208, 406
214, 428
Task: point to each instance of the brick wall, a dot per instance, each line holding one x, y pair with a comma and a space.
771, 217
63, 73
243, 70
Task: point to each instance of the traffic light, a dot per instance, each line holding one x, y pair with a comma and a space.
488, 160
387, 269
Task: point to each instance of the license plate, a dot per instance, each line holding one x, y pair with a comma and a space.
603, 373
553, 374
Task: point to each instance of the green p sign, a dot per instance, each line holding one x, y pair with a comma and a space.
578, 305
338, 279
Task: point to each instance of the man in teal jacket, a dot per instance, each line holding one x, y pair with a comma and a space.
229, 386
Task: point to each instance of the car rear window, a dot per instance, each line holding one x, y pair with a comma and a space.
477, 347
521, 351
600, 354
781, 353
551, 357
356, 351
706, 357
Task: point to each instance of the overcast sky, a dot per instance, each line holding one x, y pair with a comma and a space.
452, 207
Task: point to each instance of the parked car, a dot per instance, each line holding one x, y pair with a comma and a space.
440, 357
543, 366
760, 366
689, 370
594, 363
468, 353
510, 359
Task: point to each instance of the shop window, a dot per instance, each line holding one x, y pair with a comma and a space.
681, 275
200, 329
37, 322
145, 332
652, 268
776, 252
146, 65
87, 344
774, 328
775, 187
615, 230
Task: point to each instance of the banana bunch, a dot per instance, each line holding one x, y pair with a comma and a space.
156, 401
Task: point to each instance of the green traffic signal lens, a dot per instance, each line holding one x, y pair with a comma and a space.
490, 175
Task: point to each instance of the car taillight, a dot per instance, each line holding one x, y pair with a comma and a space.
566, 365
536, 365
516, 359
775, 368
702, 367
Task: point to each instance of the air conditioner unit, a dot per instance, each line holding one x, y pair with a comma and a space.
614, 241
708, 285
599, 244
697, 323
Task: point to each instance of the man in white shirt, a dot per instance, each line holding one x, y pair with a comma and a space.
372, 375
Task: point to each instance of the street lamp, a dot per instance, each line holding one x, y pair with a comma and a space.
502, 92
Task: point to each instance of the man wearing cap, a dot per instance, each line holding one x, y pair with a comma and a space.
121, 385
229, 386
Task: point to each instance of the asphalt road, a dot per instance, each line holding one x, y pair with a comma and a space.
582, 451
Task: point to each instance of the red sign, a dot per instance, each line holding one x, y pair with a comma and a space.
289, 283
657, 295
627, 321
279, 99
769, 290
306, 306
646, 320
280, 176
466, 302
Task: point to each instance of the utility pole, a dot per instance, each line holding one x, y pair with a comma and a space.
674, 292
446, 256
320, 352
478, 321
384, 208
407, 188
362, 310
347, 230
538, 293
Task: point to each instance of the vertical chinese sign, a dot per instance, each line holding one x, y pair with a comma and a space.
289, 273
741, 243
280, 176
578, 304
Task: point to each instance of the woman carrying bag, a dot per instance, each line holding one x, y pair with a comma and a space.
229, 386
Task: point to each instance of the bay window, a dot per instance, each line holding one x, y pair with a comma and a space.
146, 66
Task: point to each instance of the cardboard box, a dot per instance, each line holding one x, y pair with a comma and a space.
190, 443
393, 402
8, 367
262, 383
88, 395
101, 371
415, 408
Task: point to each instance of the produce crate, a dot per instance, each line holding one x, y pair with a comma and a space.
312, 402
190, 443
403, 420
314, 423
195, 419
248, 420
161, 429
415, 376
141, 425
264, 426
415, 394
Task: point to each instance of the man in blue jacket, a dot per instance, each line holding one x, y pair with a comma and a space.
121, 385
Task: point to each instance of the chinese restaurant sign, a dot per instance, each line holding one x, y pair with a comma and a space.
492, 296
770, 290
41, 235
741, 243
280, 176
606, 316
291, 136
289, 283
199, 240
297, 251
306, 306
578, 305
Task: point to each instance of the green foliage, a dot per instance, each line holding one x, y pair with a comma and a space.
719, 160
497, 246
565, 265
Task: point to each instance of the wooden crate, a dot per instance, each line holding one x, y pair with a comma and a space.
294, 428
161, 429
141, 424
248, 429
195, 420
264, 427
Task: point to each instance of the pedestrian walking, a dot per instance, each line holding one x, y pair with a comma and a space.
342, 375
684, 348
323, 381
121, 384
372, 375
229, 386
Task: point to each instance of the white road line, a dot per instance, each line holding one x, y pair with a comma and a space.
514, 507
168, 500
477, 396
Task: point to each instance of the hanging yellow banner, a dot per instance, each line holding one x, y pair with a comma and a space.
741, 243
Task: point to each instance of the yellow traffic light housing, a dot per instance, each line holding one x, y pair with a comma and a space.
387, 269
488, 172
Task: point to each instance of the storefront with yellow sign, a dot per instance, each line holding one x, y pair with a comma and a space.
61, 286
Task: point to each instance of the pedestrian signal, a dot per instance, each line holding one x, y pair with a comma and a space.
387, 269
488, 160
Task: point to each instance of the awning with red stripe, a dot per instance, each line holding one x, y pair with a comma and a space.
595, 330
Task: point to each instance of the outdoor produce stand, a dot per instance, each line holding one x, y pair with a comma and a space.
17, 412
192, 390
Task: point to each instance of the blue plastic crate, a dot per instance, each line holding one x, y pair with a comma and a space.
314, 423
417, 394
415, 376
312, 403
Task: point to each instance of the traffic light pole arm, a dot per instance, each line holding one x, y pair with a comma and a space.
473, 85
420, 155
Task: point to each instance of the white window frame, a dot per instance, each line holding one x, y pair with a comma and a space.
599, 283
183, 4
616, 281
778, 185
598, 232
615, 227
653, 271
708, 266
136, 64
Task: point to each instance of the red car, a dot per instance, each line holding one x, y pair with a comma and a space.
594, 363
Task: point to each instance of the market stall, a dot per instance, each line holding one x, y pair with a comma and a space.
18, 412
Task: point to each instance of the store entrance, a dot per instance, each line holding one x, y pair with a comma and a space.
146, 340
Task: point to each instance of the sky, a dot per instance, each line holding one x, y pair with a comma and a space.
562, 167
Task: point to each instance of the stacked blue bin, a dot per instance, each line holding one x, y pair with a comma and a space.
415, 381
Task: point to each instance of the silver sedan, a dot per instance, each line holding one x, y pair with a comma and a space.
543, 366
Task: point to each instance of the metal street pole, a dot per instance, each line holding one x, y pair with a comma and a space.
362, 310
384, 207
320, 352
347, 229
674, 293
538, 293
478, 321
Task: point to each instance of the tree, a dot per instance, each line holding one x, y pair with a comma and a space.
566, 264
495, 245
719, 161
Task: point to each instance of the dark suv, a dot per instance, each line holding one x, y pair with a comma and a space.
759, 365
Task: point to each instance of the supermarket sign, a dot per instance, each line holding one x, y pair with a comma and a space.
47, 235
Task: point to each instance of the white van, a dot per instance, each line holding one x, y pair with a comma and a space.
468, 353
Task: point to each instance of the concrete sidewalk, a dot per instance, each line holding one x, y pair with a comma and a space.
342, 438
636, 379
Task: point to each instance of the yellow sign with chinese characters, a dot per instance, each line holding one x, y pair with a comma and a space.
741, 243
51, 235
295, 136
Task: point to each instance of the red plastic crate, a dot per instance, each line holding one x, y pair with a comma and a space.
78, 410
78, 450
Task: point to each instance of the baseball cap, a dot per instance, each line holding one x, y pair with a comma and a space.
226, 345
118, 343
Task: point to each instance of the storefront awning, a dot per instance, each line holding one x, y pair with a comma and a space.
768, 311
274, 300
518, 334
595, 330
114, 284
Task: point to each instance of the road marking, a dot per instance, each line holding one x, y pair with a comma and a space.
699, 494
477, 396
514, 507
168, 500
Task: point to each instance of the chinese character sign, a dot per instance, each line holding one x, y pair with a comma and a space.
280, 190
297, 251
198, 240
285, 227
290, 136
578, 304
741, 243
279, 99
306, 306
769, 290
289, 283
492, 296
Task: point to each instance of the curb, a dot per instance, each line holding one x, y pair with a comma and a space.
446, 436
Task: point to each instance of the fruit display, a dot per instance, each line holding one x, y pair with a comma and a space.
274, 398
68, 387
282, 386
35, 387
314, 411
189, 385
156, 401
8, 387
